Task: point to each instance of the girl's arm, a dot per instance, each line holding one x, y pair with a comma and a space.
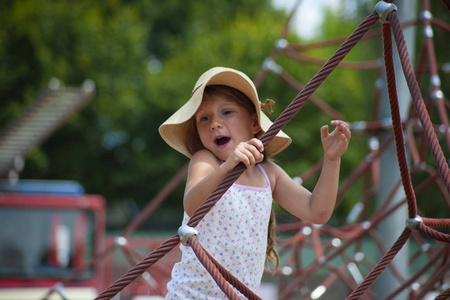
206, 171
315, 207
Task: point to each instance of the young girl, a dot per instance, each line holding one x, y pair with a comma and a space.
218, 128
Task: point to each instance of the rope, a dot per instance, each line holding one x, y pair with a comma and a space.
445, 295
396, 121
214, 268
379, 268
414, 278
437, 276
139, 268
436, 235
211, 268
421, 110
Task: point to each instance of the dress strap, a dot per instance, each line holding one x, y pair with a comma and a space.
264, 173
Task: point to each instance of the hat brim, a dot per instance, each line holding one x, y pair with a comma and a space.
176, 129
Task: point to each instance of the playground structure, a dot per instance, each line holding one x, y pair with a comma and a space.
339, 251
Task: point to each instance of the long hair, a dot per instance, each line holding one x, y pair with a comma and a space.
271, 252
242, 100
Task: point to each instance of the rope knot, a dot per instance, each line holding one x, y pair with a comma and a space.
268, 104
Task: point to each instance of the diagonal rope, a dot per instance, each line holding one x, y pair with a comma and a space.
219, 273
379, 268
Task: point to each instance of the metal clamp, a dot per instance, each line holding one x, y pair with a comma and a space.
413, 224
185, 232
383, 9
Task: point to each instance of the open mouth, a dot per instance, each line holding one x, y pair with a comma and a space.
222, 141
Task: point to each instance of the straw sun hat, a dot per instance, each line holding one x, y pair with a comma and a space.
177, 130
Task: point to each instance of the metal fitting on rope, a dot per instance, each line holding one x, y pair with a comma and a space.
437, 95
281, 44
374, 144
322, 260
359, 256
413, 224
428, 31
426, 15
270, 65
286, 270
358, 126
435, 80
416, 286
383, 9
306, 230
366, 225
185, 232
120, 241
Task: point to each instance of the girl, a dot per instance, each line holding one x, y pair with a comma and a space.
218, 128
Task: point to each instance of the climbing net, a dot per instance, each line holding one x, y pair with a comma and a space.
345, 243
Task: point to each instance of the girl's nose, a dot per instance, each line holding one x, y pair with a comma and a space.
216, 124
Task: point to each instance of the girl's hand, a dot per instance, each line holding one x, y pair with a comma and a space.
250, 153
335, 143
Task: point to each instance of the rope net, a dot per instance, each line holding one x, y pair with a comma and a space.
340, 250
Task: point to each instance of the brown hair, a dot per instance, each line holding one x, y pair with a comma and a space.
271, 252
241, 99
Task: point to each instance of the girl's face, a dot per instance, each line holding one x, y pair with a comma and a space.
222, 124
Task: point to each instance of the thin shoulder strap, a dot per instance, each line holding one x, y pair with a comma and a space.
264, 173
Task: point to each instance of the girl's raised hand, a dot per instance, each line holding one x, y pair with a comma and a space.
335, 143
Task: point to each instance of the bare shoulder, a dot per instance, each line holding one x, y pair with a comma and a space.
204, 154
273, 171
204, 157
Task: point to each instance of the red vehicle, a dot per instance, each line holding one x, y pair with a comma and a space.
49, 234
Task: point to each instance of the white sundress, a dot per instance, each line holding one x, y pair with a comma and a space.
234, 232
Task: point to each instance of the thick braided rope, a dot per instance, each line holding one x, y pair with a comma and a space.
211, 268
426, 268
436, 222
233, 280
434, 234
204, 257
379, 268
321, 75
139, 268
421, 110
397, 122
361, 231
280, 122
437, 276
398, 134
445, 295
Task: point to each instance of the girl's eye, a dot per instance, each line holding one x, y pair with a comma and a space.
227, 112
203, 119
